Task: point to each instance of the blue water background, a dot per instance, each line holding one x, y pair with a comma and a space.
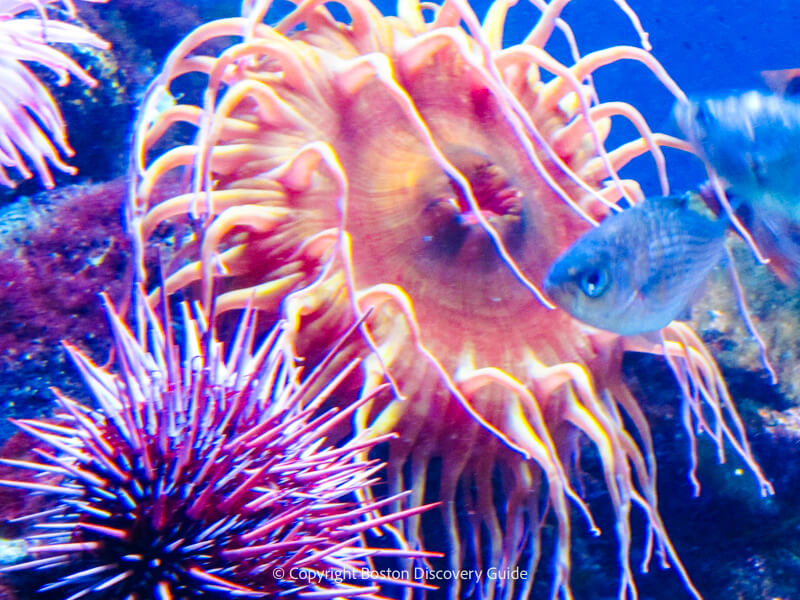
707, 47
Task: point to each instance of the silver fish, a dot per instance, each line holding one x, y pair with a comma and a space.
752, 142
640, 269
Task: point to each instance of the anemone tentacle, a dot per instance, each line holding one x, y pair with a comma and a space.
33, 135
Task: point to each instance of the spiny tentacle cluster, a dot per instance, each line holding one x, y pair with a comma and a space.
200, 476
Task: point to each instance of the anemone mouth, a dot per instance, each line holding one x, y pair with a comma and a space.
441, 210
457, 191
419, 232
449, 228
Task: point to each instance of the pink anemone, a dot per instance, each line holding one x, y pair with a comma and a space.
32, 130
413, 168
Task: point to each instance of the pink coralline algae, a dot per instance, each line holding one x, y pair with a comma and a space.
55, 258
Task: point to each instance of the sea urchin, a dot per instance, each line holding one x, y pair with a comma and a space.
200, 476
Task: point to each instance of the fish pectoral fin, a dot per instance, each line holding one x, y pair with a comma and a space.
696, 295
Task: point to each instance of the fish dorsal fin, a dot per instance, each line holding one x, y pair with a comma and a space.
673, 202
678, 201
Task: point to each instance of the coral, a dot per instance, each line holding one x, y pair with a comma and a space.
775, 312
55, 259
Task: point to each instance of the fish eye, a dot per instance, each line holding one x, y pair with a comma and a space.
593, 282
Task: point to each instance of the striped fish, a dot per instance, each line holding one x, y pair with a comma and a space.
752, 142
640, 269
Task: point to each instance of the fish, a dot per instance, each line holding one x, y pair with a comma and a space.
640, 269
751, 142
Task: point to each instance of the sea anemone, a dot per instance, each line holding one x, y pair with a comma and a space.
200, 476
31, 124
413, 167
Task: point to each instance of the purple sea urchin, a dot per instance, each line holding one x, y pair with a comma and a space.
201, 476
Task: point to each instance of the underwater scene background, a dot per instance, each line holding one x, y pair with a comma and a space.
591, 464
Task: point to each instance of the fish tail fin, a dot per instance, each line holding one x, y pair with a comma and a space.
711, 200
